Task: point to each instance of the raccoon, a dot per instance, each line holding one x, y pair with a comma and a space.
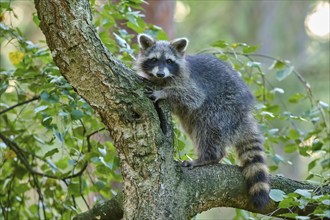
213, 105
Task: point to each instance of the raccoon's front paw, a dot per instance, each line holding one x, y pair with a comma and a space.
154, 95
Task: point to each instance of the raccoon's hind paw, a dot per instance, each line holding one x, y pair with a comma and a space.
198, 163
189, 164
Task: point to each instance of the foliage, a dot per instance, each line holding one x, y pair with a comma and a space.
302, 199
116, 22
54, 165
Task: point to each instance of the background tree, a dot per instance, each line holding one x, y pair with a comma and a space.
43, 161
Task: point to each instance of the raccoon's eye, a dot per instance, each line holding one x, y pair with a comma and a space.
154, 59
169, 61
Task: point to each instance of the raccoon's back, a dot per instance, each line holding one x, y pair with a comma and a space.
219, 81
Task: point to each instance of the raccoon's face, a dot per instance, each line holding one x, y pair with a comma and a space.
160, 59
160, 65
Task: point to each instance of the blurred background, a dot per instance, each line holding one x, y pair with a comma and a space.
291, 30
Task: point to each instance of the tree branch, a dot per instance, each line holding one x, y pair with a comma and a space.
23, 158
117, 94
19, 104
110, 210
215, 186
224, 186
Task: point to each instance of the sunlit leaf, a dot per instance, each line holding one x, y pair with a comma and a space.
250, 49
59, 136
220, 43
276, 195
304, 192
40, 108
51, 152
296, 97
290, 148
77, 114
325, 163
16, 57
282, 74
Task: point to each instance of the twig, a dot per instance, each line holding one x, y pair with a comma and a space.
19, 104
13, 146
81, 194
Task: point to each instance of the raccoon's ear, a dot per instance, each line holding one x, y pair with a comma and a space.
145, 41
180, 45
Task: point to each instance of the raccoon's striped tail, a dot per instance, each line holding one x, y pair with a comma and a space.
252, 157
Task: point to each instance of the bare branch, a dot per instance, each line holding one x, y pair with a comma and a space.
110, 210
213, 186
19, 104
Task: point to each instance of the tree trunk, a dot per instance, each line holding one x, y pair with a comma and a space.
155, 186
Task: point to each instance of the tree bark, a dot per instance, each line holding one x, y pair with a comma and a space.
155, 186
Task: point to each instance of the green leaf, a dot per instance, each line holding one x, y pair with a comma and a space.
278, 90
311, 165
122, 42
223, 57
99, 185
326, 202
325, 163
250, 49
277, 195
303, 151
47, 121
278, 158
296, 97
3, 86
220, 43
79, 132
77, 114
289, 215
286, 203
290, 148
282, 74
52, 165
62, 163
20, 171
181, 144
74, 188
44, 95
293, 134
302, 217
253, 64
273, 168
51, 98
40, 108
317, 145
59, 136
36, 19
324, 104
304, 192
278, 64
51, 152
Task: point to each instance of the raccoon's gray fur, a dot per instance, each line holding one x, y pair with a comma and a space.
213, 105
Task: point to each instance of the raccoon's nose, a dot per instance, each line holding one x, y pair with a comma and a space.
160, 74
